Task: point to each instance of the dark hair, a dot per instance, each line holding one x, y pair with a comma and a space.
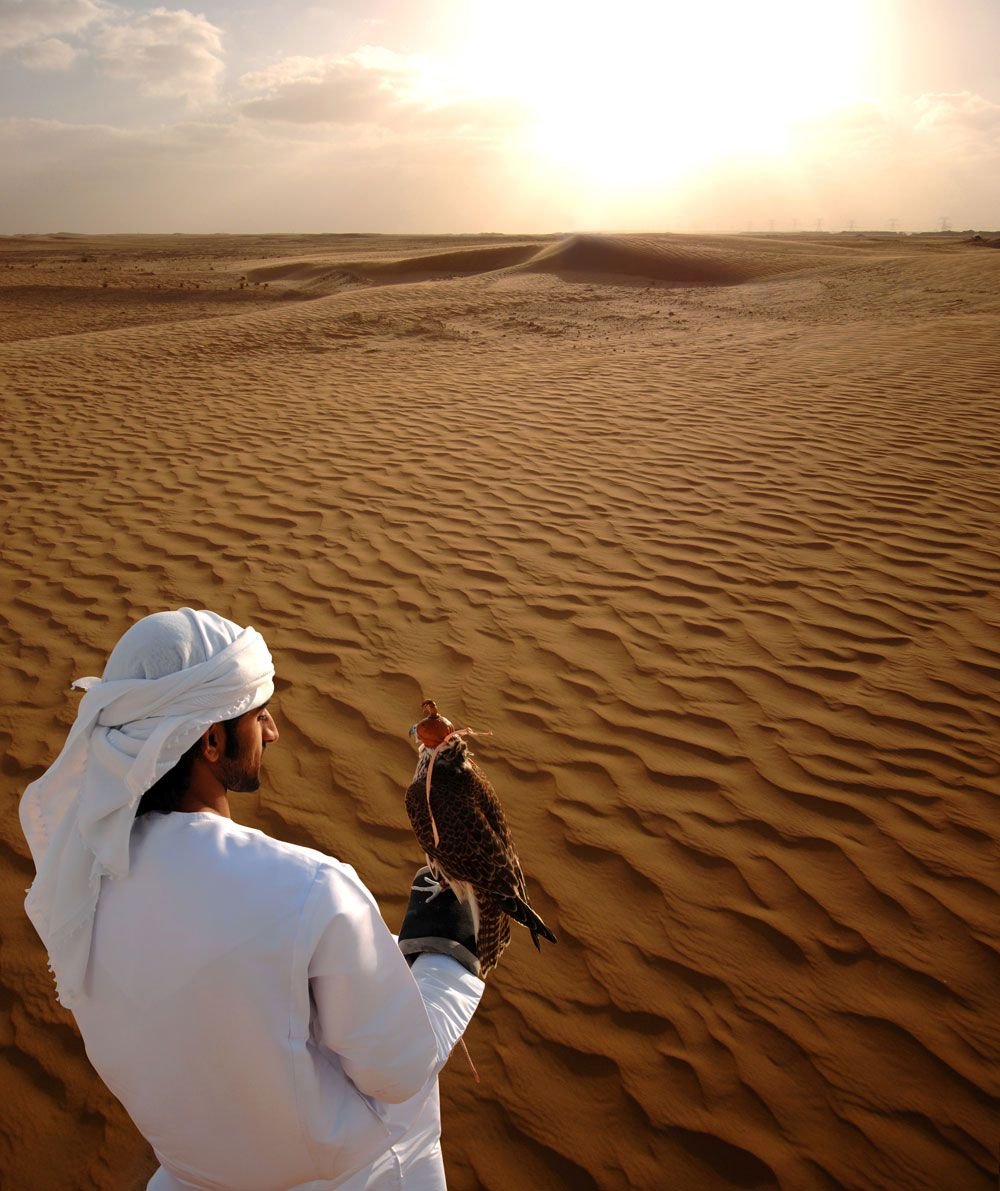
166, 795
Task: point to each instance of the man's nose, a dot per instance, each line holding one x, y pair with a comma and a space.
270, 731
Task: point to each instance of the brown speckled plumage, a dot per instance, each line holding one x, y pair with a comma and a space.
475, 846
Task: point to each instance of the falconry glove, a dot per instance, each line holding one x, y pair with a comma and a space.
437, 922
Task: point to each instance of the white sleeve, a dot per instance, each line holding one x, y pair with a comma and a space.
451, 994
391, 1028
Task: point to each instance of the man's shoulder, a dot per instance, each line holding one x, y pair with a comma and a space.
257, 841
213, 844
252, 846
328, 886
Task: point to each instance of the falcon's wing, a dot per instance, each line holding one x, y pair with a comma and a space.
492, 809
474, 842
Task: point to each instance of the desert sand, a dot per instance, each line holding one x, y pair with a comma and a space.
706, 530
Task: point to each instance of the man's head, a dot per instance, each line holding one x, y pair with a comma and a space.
231, 752
227, 752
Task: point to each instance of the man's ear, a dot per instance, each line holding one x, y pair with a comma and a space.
213, 743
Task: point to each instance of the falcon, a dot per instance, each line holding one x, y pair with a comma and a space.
459, 822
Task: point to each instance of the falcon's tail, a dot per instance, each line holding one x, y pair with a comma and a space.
494, 935
523, 913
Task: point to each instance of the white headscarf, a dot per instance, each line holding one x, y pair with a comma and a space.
170, 677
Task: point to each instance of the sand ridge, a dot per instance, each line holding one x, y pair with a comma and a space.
675, 260
718, 565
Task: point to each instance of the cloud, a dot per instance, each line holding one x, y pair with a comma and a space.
171, 53
967, 123
50, 54
24, 21
859, 131
373, 87
314, 91
391, 66
467, 119
910, 159
912, 136
370, 86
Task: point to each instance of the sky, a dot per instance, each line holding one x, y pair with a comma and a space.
464, 116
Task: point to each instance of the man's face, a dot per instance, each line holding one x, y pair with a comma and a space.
240, 772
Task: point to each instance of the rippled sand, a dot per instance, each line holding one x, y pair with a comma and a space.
707, 531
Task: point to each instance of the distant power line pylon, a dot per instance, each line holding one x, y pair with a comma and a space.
892, 224
944, 224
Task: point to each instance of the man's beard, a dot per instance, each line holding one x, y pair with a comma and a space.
237, 777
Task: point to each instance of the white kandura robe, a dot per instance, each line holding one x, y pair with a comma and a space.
249, 1007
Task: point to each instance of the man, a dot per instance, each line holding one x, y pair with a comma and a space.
242, 997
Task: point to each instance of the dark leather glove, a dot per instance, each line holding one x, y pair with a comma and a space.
436, 921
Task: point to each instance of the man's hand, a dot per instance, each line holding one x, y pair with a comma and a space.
436, 921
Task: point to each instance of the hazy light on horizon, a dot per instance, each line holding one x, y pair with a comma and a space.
474, 115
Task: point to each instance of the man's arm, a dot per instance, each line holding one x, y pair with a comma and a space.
450, 994
392, 1028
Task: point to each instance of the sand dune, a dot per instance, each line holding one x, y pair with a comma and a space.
678, 260
715, 557
325, 276
673, 260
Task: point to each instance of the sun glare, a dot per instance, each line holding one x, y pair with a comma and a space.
639, 96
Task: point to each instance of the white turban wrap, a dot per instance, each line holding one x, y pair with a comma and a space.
169, 678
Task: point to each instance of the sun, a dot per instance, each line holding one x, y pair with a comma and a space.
631, 97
